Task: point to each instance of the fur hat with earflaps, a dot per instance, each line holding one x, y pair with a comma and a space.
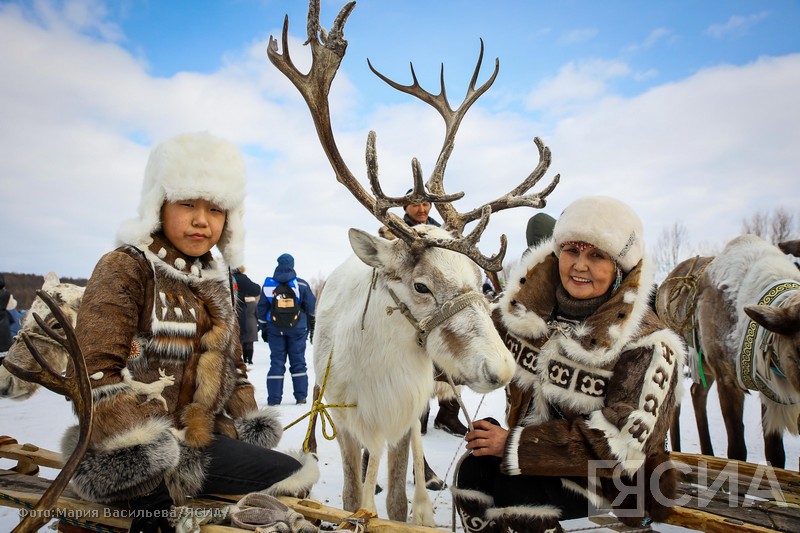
188, 166
606, 223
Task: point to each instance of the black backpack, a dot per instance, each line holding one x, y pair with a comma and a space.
285, 309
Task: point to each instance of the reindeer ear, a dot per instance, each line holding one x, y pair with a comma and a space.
50, 280
781, 320
374, 251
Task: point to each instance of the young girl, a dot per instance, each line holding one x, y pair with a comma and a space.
174, 413
595, 387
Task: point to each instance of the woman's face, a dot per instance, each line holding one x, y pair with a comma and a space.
193, 226
585, 271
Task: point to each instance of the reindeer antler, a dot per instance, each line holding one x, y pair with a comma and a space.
76, 387
327, 52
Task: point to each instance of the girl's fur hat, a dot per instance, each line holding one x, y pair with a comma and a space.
188, 166
606, 223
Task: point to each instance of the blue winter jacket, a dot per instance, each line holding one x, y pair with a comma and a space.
301, 289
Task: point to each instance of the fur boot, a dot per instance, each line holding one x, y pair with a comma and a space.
530, 519
471, 506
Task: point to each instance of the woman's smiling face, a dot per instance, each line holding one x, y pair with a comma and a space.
585, 271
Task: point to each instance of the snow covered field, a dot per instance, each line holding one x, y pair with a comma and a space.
42, 419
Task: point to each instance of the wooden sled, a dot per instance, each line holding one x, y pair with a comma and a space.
717, 494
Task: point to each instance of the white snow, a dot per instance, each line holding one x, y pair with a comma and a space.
42, 419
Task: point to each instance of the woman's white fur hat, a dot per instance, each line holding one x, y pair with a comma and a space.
606, 223
188, 166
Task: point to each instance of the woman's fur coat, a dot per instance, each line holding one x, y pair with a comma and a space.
601, 390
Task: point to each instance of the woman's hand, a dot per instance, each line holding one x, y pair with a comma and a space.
487, 439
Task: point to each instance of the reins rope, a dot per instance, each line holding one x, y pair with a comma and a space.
445, 311
688, 282
39, 337
318, 407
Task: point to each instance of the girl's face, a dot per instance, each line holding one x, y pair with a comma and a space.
193, 226
585, 271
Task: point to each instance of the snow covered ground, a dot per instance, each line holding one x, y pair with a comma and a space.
42, 419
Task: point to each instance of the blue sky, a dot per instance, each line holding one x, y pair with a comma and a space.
686, 110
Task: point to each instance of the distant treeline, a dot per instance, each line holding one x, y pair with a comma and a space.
24, 286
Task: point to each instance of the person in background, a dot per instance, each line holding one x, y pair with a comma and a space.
594, 392
286, 332
6, 339
174, 413
447, 416
539, 229
14, 317
247, 292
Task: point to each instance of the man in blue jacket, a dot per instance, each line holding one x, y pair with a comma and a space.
286, 336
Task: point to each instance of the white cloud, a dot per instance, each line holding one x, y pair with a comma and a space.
79, 115
736, 25
577, 82
578, 36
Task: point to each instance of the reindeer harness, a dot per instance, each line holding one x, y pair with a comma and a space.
757, 365
445, 311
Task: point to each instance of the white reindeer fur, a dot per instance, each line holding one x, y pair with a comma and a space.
380, 368
746, 267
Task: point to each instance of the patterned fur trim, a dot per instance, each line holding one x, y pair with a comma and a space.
472, 496
510, 455
298, 484
127, 466
260, 427
187, 479
526, 511
625, 448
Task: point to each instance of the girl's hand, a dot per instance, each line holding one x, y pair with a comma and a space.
486, 439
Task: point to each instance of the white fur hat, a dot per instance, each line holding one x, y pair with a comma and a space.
192, 165
606, 223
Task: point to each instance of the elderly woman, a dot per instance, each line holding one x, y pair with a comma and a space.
595, 387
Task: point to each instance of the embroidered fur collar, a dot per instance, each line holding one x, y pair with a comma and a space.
526, 305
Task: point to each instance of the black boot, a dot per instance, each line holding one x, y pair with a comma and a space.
471, 506
447, 418
432, 481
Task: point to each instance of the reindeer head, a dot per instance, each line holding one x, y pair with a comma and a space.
68, 297
784, 321
437, 291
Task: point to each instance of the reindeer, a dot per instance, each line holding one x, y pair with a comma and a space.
742, 310
68, 297
398, 306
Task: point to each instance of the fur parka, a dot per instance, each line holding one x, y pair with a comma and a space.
166, 373
603, 389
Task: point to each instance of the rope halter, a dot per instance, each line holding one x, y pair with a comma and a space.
438, 316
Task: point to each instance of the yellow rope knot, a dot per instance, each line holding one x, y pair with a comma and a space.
321, 409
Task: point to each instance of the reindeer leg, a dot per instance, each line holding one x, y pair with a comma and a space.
773, 443
368, 489
700, 402
422, 508
731, 401
675, 429
396, 499
351, 466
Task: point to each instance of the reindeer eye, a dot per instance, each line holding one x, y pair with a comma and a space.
421, 288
